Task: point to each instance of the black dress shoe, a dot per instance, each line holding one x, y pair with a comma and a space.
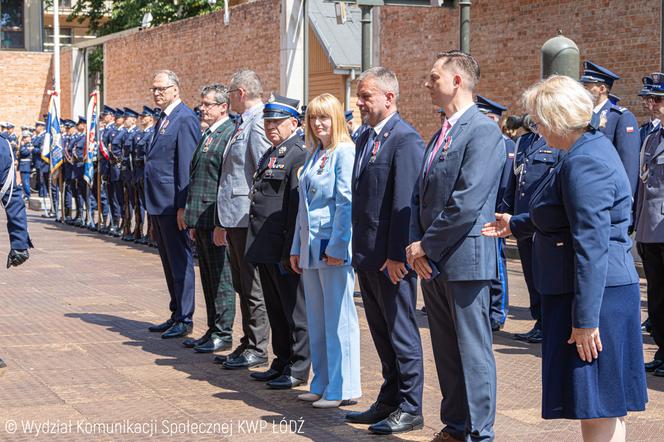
398, 422
160, 328
536, 337
646, 326
525, 336
245, 360
284, 382
653, 365
265, 376
495, 326
213, 344
177, 330
191, 342
659, 372
376, 413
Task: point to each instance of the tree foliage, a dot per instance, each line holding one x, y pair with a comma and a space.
107, 17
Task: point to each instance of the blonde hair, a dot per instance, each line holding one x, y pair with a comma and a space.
561, 104
326, 105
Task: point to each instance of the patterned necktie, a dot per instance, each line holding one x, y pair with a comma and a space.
439, 143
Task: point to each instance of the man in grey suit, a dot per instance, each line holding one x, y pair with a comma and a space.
649, 224
455, 195
240, 161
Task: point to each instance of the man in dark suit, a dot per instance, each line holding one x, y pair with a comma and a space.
245, 148
388, 159
454, 197
166, 185
272, 216
200, 214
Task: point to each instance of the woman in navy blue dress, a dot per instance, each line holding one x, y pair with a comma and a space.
592, 353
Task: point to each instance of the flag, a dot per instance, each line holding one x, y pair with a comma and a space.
90, 151
52, 147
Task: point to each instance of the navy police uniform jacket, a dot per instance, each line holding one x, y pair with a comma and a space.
578, 219
116, 137
508, 169
141, 144
78, 151
37, 160
532, 160
17, 221
621, 128
274, 202
132, 135
381, 209
167, 161
24, 158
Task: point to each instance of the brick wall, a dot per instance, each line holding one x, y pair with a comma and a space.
65, 83
25, 77
506, 38
200, 50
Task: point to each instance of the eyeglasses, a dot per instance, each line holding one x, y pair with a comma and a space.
232, 90
161, 90
204, 104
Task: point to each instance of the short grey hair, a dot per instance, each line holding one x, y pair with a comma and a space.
172, 77
220, 92
249, 81
561, 104
385, 79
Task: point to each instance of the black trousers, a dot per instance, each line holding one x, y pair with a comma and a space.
217, 282
246, 281
652, 256
526, 254
284, 300
390, 311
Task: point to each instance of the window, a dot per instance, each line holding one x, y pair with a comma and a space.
66, 38
11, 24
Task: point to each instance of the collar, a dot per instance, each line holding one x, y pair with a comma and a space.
218, 123
600, 106
249, 112
131, 128
454, 118
655, 122
379, 127
172, 106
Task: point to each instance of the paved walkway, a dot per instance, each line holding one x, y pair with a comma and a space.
81, 362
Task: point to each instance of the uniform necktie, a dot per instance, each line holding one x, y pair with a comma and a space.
365, 150
439, 143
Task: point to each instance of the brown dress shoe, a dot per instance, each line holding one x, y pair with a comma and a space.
443, 436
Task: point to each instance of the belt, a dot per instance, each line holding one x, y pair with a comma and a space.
25, 160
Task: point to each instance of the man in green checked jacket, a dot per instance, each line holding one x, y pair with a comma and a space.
200, 213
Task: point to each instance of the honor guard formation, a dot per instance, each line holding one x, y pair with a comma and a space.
286, 205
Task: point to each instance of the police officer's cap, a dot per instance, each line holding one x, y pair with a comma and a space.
280, 107
108, 110
69, 123
147, 112
349, 115
657, 86
647, 86
594, 73
303, 111
489, 106
25, 133
130, 113
37, 123
81, 120
119, 113
614, 99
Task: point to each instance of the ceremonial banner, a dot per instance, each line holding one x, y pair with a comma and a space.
90, 139
52, 148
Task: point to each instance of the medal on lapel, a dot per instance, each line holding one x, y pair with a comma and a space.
282, 151
162, 131
602, 119
321, 167
374, 151
448, 142
206, 146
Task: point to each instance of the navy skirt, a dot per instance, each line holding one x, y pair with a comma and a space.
612, 384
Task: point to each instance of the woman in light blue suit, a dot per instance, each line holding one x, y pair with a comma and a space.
321, 252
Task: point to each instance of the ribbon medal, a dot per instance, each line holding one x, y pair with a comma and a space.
374, 151
164, 126
272, 162
322, 164
206, 146
448, 141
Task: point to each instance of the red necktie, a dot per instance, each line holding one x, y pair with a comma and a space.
439, 143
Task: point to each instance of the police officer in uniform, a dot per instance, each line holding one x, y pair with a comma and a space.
25, 163
617, 123
649, 223
103, 168
653, 122
69, 170
272, 216
532, 161
41, 167
132, 135
17, 222
499, 287
78, 151
140, 148
115, 145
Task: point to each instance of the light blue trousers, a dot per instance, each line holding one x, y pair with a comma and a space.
334, 332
